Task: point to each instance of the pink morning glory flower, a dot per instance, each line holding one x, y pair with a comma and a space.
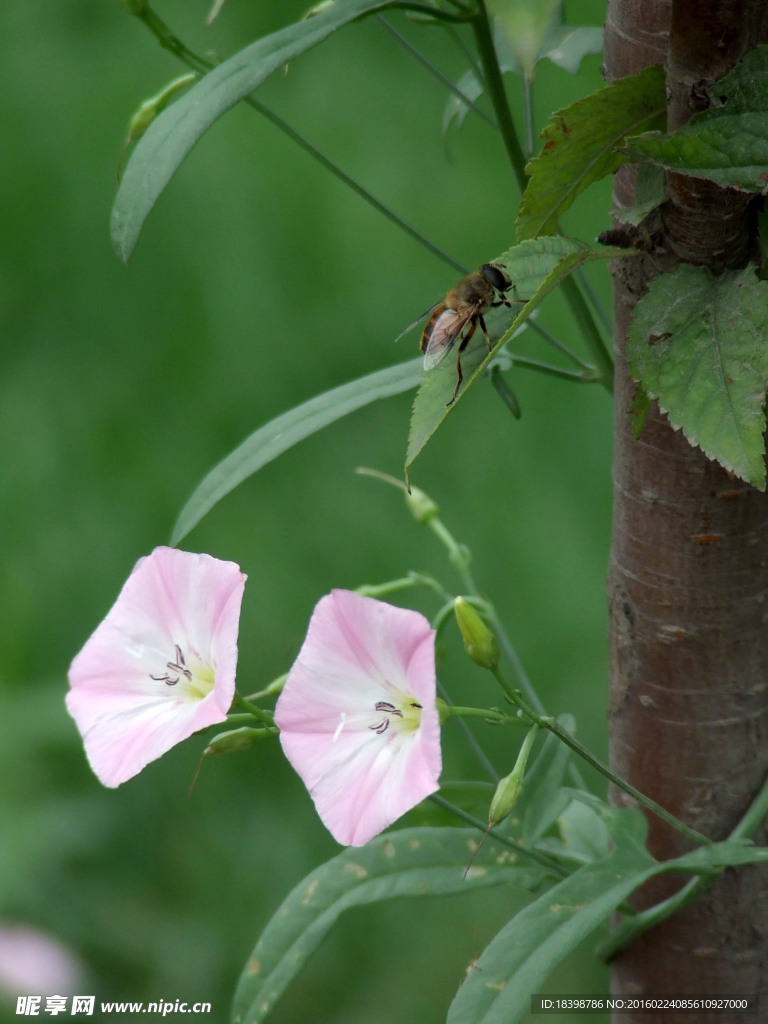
162, 663
357, 715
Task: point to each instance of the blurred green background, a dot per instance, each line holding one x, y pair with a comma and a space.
258, 282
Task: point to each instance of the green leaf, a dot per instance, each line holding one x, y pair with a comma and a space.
580, 147
170, 138
280, 434
520, 957
716, 856
583, 831
565, 46
697, 345
525, 26
649, 194
411, 862
727, 143
535, 267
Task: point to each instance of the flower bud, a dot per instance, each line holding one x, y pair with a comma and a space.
234, 740
420, 505
479, 642
506, 796
510, 788
319, 8
155, 105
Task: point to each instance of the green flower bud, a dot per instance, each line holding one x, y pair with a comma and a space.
510, 788
319, 8
479, 642
506, 796
155, 105
420, 505
234, 740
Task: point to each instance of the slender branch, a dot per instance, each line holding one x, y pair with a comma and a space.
433, 70
591, 332
533, 325
252, 709
586, 376
516, 157
171, 42
524, 851
547, 722
498, 96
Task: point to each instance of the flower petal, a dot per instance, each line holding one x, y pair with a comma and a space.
176, 616
359, 655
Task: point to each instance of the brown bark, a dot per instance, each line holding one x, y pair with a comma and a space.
688, 579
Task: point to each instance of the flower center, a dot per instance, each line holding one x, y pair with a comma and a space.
405, 717
194, 678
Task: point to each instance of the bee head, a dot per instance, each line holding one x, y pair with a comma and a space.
495, 276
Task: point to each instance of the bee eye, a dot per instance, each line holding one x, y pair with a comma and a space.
495, 276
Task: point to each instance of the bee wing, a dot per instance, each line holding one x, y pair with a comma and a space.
440, 334
416, 322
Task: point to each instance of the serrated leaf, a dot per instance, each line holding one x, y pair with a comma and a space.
727, 143
410, 862
535, 267
697, 345
170, 138
281, 433
580, 147
520, 957
649, 194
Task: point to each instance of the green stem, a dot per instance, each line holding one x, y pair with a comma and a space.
350, 182
547, 722
498, 96
578, 376
516, 157
546, 862
253, 710
489, 714
646, 919
433, 70
171, 42
559, 345
591, 332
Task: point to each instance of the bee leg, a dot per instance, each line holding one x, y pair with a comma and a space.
485, 332
459, 374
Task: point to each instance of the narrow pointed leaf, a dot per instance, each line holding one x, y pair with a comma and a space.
696, 344
170, 138
543, 799
535, 267
280, 434
728, 142
580, 146
411, 862
518, 960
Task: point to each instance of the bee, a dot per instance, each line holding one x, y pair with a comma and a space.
459, 314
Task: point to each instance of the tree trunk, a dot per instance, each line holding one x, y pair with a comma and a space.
688, 578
